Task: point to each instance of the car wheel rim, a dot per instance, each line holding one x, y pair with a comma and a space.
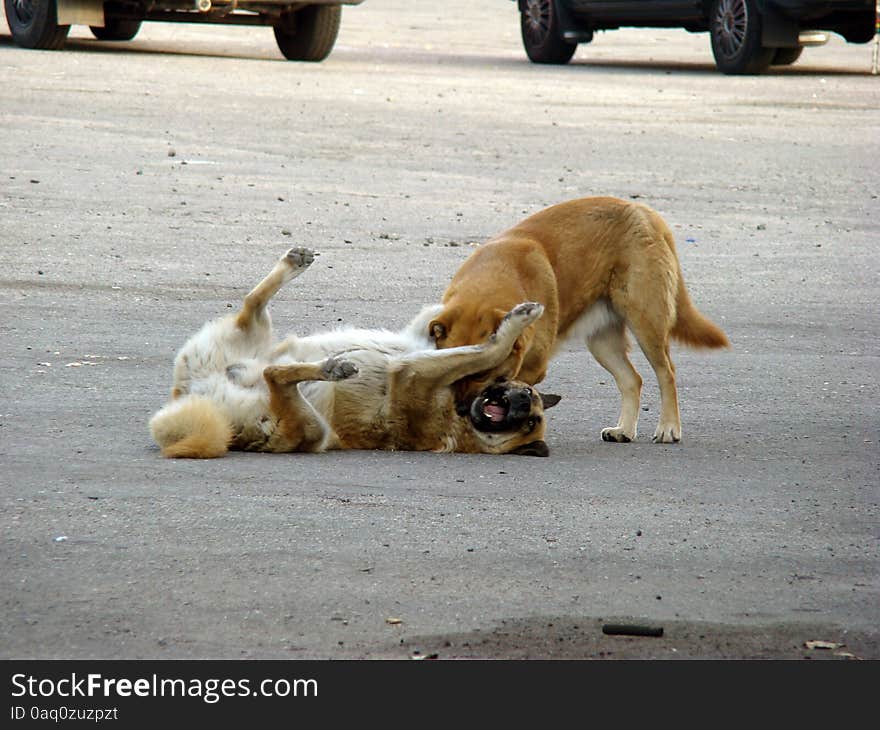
536, 20
731, 23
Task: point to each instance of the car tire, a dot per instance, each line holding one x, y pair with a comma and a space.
735, 27
310, 33
786, 56
116, 29
34, 24
541, 34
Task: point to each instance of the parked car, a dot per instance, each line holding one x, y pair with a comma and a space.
304, 31
747, 36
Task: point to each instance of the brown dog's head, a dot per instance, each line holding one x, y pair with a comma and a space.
508, 418
454, 327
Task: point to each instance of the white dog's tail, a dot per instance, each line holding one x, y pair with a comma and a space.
191, 427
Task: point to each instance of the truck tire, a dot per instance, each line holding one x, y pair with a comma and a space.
735, 27
786, 56
116, 29
34, 24
308, 34
541, 36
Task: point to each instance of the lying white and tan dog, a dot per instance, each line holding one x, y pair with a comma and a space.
234, 387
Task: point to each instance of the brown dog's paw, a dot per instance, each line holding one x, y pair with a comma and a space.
666, 434
617, 435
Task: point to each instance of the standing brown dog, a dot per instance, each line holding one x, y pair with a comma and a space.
599, 266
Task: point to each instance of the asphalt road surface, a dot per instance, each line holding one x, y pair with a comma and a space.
146, 186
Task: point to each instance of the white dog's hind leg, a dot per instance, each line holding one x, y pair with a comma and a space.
299, 426
291, 265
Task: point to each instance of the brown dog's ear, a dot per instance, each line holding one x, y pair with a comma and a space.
437, 330
535, 448
549, 399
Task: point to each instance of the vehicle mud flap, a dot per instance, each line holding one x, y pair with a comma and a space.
571, 31
777, 30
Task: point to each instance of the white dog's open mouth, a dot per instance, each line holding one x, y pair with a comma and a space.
501, 407
496, 410
492, 409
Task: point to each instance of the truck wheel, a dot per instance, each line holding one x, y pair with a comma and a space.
735, 27
116, 29
308, 34
34, 24
786, 56
541, 36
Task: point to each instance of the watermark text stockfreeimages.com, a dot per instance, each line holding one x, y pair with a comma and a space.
95, 685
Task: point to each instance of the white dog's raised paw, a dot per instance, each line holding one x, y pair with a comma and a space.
336, 369
527, 312
300, 257
517, 319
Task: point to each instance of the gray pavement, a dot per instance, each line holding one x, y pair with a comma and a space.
145, 186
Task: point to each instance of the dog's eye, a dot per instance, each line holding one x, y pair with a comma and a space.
532, 423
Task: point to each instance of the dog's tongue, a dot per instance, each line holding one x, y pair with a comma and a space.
495, 413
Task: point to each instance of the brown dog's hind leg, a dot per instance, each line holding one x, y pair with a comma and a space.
299, 427
646, 300
669, 426
289, 266
610, 347
652, 335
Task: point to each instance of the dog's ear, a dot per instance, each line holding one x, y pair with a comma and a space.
535, 448
549, 400
437, 330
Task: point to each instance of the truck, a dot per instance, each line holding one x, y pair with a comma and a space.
304, 31
747, 36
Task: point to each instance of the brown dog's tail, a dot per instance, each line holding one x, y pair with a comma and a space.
192, 427
693, 328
